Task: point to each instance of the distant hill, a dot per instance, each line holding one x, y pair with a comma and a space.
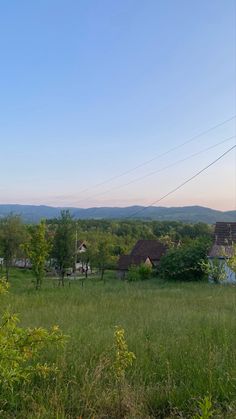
191, 214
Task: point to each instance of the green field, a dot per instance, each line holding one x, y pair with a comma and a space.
183, 336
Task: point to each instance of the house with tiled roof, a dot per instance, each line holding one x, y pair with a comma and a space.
154, 249
148, 252
223, 247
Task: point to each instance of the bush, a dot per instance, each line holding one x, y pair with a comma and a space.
133, 274
20, 351
144, 271
137, 273
184, 263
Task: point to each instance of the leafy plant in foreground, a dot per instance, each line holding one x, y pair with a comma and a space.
123, 360
20, 351
206, 410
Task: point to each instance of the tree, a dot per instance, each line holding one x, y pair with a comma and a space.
103, 256
38, 250
12, 235
64, 244
184, 262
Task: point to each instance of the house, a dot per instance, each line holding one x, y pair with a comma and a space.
153, 249
223, 247
81, 246
80, 264
148, 252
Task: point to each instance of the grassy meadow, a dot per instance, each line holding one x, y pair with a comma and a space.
183, 336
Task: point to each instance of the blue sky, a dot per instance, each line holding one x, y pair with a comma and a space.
90, 89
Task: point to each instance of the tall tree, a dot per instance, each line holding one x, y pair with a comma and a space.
64, 244
12, 235
38, 250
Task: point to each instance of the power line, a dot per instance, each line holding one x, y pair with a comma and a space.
184, 183
161, 155
161, 169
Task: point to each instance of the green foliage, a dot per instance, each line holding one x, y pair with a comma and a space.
122, 234
231, 262
145, 271
133, 274
38, 250
137, 273
123, 357
167, 240
123, 360
20, 351
64, 244
4, 285
103, 256
12, 235
183, 335
214, 269
184, 262
205, 407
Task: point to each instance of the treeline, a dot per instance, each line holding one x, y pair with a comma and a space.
54, 243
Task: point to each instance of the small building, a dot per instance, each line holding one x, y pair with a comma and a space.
81, 246
80, 264
148, 252
223, 247
153, 249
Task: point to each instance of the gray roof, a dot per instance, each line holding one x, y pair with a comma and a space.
224, 239
225, 233
126, 261
153, 249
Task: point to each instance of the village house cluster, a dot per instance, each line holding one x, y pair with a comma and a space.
148, 252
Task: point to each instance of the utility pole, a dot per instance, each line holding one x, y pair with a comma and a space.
76, 239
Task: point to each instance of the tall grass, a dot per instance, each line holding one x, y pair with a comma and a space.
183, 336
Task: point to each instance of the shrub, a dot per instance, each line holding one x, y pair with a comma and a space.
137, 273
144, 271
133, 274
214, 269
184, 263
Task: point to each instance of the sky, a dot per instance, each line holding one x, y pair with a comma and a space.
92, 89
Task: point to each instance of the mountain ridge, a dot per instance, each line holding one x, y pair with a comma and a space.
189, 214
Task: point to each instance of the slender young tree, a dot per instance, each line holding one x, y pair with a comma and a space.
64, 244
103, 256
12, 235
38, 250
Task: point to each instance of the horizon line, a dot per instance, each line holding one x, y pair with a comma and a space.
112, 207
